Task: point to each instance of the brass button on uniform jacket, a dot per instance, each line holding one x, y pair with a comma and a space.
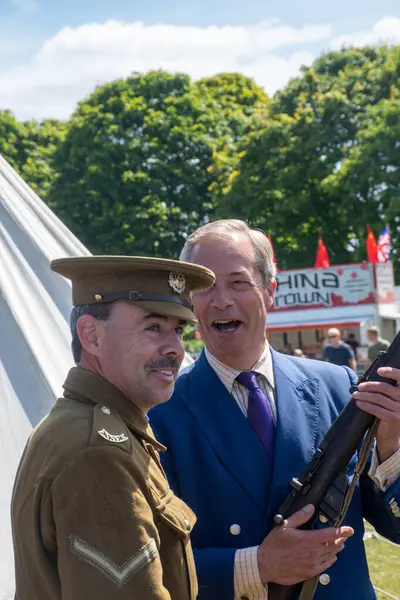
93, 516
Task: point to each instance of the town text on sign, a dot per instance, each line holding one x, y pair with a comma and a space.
343, 285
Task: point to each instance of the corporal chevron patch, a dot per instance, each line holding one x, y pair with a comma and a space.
117, 574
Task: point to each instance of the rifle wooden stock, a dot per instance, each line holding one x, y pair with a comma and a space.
330, 462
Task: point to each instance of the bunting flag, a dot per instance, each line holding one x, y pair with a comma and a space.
371, 246
384, 246
322, 258
273, 252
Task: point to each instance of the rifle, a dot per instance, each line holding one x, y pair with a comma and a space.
324, 483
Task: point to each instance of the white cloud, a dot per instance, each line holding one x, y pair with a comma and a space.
385, 31
69, 65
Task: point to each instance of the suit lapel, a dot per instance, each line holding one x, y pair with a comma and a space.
297, 401
228, 431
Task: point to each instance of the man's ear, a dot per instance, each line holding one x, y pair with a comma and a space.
90, 332
271, 289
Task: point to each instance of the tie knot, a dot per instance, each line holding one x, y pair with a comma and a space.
248, 379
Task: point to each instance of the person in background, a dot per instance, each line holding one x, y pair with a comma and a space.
337, 352
245, 419
287, 349
352, 342
299, 353
377, 343
93, 516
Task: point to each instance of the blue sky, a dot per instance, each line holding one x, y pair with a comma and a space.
50, 15
53, 53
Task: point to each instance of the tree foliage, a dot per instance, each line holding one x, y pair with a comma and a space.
326, 160
11, 139
29, 146
135, 171
370, 174
245, 107
145, 160
40, 140
244, 104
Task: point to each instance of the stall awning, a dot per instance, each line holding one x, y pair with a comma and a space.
351, 316
389, 311
315, 325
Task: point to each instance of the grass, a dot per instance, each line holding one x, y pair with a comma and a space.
383, 562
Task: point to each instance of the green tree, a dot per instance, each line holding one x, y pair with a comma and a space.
11, 147
244, 104
291, 181
133, 168
28, 147
192, 340
39, 141
370, 175
245, 108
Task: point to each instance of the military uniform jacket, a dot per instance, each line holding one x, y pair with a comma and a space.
92, 512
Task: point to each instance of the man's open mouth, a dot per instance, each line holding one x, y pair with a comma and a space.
226, 326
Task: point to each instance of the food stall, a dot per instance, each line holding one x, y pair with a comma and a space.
349, 297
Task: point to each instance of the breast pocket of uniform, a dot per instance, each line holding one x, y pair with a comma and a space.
175, 522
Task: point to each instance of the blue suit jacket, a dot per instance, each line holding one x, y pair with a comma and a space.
216, 463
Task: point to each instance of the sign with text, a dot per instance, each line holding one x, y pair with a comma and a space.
342, 285
385, 283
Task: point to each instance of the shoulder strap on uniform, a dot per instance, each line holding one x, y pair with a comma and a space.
109, 429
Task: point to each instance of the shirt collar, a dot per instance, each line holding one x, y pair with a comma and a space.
91, 388
228, 375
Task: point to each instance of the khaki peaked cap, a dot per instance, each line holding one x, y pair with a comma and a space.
160, 285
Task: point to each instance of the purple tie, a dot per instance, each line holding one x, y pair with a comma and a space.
259, 412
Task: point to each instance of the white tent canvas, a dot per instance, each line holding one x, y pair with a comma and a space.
34, 335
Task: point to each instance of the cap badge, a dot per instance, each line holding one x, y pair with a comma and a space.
177, 282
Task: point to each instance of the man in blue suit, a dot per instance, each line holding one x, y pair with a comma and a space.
245, 419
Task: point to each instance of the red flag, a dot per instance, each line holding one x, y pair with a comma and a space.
372, 250
273, 252
322, 258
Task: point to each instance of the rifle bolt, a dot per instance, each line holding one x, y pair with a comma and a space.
323, 518
324, 579
298, 486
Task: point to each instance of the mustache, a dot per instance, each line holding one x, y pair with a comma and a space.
165, 363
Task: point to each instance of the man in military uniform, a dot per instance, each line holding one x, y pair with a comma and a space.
92, 514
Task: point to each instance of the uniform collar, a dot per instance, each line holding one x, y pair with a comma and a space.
91, 388
228, 375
